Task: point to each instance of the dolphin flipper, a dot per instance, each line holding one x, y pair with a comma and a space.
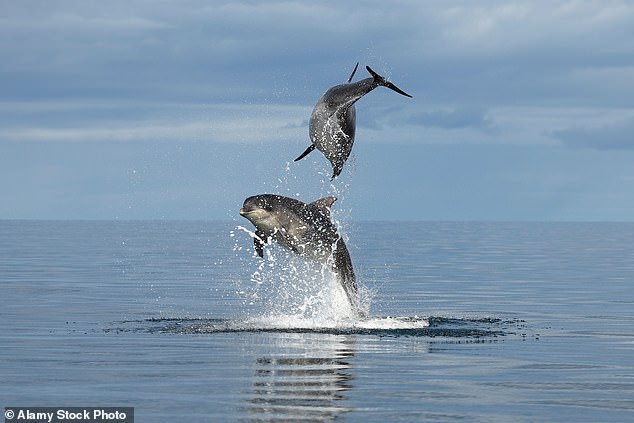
337, 167
306, 152
258, 243
384, 82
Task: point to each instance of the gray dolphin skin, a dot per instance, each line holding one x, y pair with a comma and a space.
333, 122
304, 228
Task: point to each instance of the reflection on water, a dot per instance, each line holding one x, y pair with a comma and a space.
308, 382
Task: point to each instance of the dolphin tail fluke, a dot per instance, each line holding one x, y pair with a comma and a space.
384, 82
306, 152
343, 268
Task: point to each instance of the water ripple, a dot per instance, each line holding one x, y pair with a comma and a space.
381, 326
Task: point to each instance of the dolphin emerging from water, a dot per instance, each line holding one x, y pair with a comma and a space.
305, 229
333, 122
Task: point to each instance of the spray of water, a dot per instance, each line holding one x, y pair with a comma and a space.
284, 284
286, 291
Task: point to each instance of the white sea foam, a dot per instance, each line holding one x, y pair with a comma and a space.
293, 322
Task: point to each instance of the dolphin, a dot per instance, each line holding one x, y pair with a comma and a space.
333, 121
305, 229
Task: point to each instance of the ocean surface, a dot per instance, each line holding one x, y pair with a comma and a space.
469, 322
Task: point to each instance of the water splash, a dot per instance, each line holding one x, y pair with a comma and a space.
282, 283
285, 292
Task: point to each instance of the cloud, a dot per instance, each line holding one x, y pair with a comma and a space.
489, 50
463, 62
609, 137
455, 118
91, 121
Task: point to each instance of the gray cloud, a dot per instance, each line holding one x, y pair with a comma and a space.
464, 63
89, 121
457, 118
454, 52
609, 137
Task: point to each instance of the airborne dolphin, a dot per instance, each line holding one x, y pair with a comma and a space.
333, 121
305, 229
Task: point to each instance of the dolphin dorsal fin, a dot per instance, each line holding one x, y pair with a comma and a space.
353, 72
325, 203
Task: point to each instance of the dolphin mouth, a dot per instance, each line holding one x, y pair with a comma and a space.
246, 212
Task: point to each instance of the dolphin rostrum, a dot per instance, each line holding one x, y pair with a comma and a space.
305, 229
333, 122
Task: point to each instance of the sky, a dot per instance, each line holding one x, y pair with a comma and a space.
521, 111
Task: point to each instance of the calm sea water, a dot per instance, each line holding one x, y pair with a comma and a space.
491, 322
